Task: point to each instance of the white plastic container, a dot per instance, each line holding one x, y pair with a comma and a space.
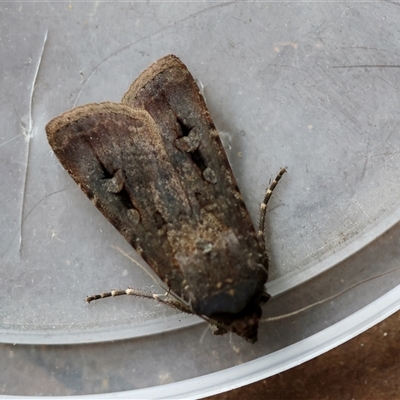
302, 85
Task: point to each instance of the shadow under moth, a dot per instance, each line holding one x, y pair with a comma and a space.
155, 167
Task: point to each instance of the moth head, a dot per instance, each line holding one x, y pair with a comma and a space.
244, 324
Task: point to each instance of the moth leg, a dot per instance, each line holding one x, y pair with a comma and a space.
263, 209
165, 299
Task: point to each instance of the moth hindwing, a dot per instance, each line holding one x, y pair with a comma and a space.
155, 167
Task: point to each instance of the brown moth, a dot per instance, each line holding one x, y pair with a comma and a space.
155, 167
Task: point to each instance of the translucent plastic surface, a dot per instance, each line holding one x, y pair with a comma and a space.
310, 86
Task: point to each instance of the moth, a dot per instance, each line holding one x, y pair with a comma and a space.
155, 167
